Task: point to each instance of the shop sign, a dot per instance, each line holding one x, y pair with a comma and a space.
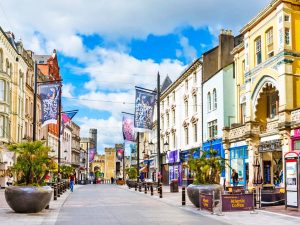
291, 180
237, 202
206, 202
297, 132
270, 146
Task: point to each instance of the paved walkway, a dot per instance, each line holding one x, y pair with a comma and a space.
119, 202
259, 217
45, 217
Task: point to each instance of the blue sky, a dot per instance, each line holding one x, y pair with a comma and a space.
106, 48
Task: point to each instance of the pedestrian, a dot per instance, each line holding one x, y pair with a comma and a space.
111, 180
235, 178
72, 182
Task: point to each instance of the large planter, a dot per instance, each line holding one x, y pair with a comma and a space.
28, 199
131, 183
194, 191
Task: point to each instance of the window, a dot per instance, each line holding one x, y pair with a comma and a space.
174, 96
243, 113
2, 90
215, 99
258, 50
186, 132
162, 123
2, 127
212, 129
287, 36
168, 101
1, 60
286, 18
195, 103
10, 70
195, 132
243, 72
269, 43
273, 102
173, 112
186, 106
195, 78
186, 85
174, 140
208, 102
162, 105
168, 120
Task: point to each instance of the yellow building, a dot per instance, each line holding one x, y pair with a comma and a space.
267, 68
110, 163
98, 164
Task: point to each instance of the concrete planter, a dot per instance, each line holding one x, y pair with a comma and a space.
194, 191
28, 199
131, 183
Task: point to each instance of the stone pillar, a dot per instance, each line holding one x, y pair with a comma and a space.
227, 162
252, 150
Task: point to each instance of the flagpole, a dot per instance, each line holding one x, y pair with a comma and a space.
124, 161
59, 132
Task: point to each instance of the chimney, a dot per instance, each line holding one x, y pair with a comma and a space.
226, 44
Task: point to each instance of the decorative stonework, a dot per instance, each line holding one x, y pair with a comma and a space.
272, 126
295, 116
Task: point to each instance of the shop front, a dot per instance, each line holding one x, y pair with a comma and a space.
271, 160
238, 160
173, 161
295, 140
215, 144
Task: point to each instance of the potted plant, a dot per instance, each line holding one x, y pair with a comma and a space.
29, 195
132, 175
206, 170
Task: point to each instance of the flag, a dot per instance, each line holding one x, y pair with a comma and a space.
92, 153
144, 107
128, 126
66, 117
120, 153
50, 95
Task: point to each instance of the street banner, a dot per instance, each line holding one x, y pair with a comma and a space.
120, 153
66, 117
144, 107
92, 153
50, 95
128, 126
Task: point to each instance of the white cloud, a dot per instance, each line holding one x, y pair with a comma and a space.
67, 90
109, 131
188, 51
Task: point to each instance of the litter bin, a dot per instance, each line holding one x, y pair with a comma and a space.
174, 186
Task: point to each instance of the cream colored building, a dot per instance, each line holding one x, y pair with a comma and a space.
110, 163
268, 91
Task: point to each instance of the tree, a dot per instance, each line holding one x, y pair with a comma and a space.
131, 172
33, 162
207, 168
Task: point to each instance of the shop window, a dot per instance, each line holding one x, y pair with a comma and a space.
258, 50
297, 145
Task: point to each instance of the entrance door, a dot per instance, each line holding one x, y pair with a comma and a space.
267, 172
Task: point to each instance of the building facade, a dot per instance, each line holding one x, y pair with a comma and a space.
75, 146
267, 86
110, 163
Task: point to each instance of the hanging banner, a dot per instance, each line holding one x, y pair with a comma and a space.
144, 107
66, 117
92, 153
128, 126
50, 95
120, 153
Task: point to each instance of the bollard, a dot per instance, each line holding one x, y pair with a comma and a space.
145, 188
58, 191
183, 195
135, 186
140, 187
151, 189
160, 190
55, 192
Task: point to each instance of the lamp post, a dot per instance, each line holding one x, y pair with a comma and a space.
159, 171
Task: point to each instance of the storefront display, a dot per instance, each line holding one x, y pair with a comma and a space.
173, 160
239, 161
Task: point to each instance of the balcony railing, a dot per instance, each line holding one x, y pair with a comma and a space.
240, 132
295, 116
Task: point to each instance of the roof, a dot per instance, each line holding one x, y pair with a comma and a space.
41, 59
166, 83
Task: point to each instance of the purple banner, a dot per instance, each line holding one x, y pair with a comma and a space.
128, 127
237, 202
120, 153
50, 95
92, 153
173, 156
144, 107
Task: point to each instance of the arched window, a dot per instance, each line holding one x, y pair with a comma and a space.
208, 102
215, 99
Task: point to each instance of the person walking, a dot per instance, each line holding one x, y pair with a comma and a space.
235, 178
72, 182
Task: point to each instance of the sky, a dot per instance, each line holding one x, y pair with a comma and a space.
107, 47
